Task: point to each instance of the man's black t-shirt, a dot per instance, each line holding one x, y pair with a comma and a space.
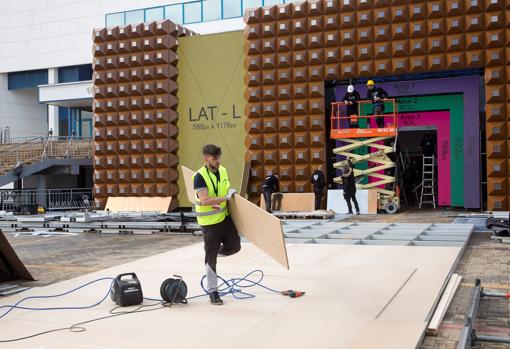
353, 97
349, 183
271, 183
318, 181
199, 181
377, 92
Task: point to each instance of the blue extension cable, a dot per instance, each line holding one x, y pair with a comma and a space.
233, 286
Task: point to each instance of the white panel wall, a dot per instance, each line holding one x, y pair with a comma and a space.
21, 111
37, 34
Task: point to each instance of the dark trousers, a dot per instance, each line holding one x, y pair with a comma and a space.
267, 198
221, 238
348, 197
318, 199
350, 112
378, 109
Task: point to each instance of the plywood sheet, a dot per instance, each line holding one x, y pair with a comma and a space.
138, 204
353, 316
291, 202
245, 178
188, 183
11, 267
372, 201
444, 303
259, 227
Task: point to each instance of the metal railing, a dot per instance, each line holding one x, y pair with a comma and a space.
51, 199
340, 119
36, 149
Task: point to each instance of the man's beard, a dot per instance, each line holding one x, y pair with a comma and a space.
213, 168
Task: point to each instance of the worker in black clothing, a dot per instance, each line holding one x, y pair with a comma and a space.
351, 99
318, 182
378, 96
271, 185
428, 144
349, 187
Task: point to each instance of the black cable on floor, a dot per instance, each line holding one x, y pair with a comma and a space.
77, 327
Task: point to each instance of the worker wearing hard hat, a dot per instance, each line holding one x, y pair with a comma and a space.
351, 99
378, 96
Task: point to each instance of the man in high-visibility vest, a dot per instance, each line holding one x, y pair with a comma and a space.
212, 191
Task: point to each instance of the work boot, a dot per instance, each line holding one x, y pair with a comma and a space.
215, 298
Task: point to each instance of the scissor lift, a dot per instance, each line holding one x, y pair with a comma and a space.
377, 140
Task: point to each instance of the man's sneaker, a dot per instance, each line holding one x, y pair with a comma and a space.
215, 298
348, 213
357, 213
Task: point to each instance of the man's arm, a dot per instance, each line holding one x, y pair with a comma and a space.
205, 199
383, 93
203, 194
277, 185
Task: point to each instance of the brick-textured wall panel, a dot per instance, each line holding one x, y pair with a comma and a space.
135, 110
293, 47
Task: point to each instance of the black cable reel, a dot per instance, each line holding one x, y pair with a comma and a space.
174, 291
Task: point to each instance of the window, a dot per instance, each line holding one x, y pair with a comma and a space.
115, 19
232, 8
250, 3
154, 14
192, 12
134, 17
27, 79
174, 13
75, 73
212, 10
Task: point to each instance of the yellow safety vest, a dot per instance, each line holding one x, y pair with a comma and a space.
207, 215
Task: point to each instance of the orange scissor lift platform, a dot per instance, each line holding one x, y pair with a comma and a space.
380, 141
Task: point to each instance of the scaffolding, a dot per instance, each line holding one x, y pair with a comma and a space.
380, 141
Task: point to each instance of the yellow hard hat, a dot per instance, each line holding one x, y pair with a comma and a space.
370, 83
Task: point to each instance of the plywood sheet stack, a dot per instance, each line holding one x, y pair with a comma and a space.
135, 110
